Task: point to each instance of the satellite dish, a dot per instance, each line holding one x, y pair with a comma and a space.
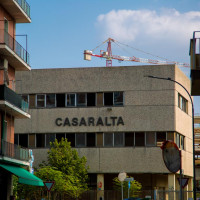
171, 156
122, 176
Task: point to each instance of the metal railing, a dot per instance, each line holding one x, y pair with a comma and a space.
9, 95
24, 5
14, 151
6, 38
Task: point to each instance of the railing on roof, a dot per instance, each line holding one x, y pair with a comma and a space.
10, 150
25, 6
6, 38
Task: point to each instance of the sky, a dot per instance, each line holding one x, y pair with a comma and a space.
61, 30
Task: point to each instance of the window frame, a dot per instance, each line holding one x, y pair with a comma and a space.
36, 99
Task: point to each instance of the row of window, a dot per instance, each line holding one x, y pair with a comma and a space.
74, 99
182, 103
117, 139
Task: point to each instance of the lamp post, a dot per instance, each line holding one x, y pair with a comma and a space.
194, 174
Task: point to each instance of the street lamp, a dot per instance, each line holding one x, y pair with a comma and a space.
194, 177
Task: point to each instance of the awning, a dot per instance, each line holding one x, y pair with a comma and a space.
25, 177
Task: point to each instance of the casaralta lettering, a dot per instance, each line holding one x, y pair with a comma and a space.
90, 121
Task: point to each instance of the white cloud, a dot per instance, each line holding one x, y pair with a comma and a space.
130, 25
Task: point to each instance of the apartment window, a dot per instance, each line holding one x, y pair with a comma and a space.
108, 99
16, 139
118, 98
40, 140
178, 140
25, 97
81, 99
129, 139
31, 101
182, 142
49, 138
91, 99
71, 138
59, 136
139, 139
71, 100
31, 142
182, 103
99, 139
99, 99
108, 139
50, 100
160, 138
23, 140
91, 140
118, 139
80, 140
150, 138
40, 100
60, 100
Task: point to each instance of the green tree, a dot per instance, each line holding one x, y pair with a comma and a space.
134, 190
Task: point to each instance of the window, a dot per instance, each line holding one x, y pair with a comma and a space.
31, 142
178, 140
71, 138
50, 100
129, 139
23, 140
139, 139
80, 140
100, 99
99, 139
108, 99
108, 139
25, 97
59, 136
49, 138
150, 139
118, 98
81, 99
71, 100
91, 140
118, 139
40, 100
160, 138
16, 139
182, 142
182, 103
60, 100
31, 101
40, 140
91, 99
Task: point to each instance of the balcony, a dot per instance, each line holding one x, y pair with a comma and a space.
9, 151
16, 55
12, 103
18, 9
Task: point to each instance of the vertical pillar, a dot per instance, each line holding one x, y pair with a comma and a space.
172, 186
190, 188
100, 186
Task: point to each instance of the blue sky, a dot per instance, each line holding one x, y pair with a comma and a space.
61, 30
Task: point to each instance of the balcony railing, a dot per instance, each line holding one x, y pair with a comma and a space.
6, 38
25, 6
14, 151
10, 96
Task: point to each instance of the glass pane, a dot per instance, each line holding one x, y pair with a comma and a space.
91, 140
129, 139
25, 97
108, 139
70, 99
160, 137
23, 140
91, 99
40, 101
49, 138
182, 142
178, 140
108, 99
139, 139
71, 138
50, 100
59, 136
118, 98
40, 140
118, 139
16, 140
150, 139
81, 99
80, 140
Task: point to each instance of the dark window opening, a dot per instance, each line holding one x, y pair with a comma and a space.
23, 140
71, 100
108, 99
118, 139
16, 139
25, 97
118, 98
40, 100
59, 136
91, 99
129, 139
31, 142
60, 100
49, 138
80, 140
150, 139
81, 99
108, 139
91, 140
139, 139
71, 138
50, 100
92, 181
40, 140
161, 137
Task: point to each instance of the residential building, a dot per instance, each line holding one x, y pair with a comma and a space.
13, 57
115, 116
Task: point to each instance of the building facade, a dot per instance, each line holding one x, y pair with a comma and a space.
13, 57
115, 116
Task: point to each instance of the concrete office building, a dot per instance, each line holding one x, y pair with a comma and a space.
114, 116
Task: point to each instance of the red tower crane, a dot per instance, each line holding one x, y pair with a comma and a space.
109, 56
